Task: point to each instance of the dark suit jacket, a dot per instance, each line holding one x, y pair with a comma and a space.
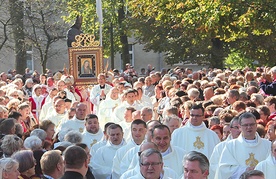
72, 175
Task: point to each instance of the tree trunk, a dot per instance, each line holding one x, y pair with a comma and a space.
123, 36
217, 54
17, 15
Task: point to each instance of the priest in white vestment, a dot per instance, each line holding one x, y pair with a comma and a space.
77, 123
101, 143
60, 114
151, 166
92, 133
48, 104
196, 166
214, 159
268, 166
126, 123
118, 113
195, 136
172, 155
108, 105
142, 99
102, 161
138, 132
98, 92
245, 152
63, 87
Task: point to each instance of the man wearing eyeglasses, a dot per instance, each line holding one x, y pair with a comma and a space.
151, 166
195, 136
245, 152
214, 159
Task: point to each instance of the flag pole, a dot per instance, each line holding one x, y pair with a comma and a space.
99, 12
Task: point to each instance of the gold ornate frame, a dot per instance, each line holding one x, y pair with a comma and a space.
85, 50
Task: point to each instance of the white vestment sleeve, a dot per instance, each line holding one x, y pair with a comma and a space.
227, 164
99, 167
95, 96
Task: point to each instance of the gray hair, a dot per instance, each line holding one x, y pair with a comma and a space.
246, 115
167, 119
25, 158
41, 134
148, 109
7, 164
73, 137
193, 92
233, 120
215, 119
258, 97
149, 152
11, 144
200, 157
62, 134
273, 69
33, 143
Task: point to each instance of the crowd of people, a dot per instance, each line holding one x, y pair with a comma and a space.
176, 123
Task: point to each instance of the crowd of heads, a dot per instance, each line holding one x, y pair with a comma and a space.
226, 101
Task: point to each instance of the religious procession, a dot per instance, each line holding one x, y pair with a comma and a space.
180, 123
148, 90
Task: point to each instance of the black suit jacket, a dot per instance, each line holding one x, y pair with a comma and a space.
72, 175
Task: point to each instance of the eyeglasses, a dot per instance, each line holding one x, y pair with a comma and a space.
195, 115
151, 164
235, 127
248, 125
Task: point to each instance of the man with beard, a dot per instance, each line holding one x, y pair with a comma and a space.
92, 133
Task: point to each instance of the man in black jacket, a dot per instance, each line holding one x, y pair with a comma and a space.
76, 163
52, 164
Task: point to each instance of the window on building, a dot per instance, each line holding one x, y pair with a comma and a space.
29, 58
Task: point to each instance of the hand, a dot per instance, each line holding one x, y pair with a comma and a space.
72, 89
102, 95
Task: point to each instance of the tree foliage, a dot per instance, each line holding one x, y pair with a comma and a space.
199, 30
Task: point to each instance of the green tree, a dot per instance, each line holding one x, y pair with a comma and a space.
205, 31
237, 60
114, 13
